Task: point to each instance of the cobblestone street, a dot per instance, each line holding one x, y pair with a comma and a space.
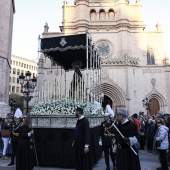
148, 162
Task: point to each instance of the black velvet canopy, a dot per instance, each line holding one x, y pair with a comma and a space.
66, 50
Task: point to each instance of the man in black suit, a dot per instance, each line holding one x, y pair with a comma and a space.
82, 142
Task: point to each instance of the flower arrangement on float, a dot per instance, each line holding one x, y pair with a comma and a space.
66, 107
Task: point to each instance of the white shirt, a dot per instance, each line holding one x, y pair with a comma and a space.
109, 110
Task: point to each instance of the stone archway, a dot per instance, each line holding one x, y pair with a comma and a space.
113, 92
159, 102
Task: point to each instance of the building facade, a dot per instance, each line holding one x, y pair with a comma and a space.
20, 65
7, 10
134, 64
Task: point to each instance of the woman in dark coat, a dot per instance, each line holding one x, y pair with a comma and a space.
25, 154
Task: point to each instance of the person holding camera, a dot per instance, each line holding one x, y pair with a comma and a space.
162, 143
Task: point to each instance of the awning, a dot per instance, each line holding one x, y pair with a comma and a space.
66, 50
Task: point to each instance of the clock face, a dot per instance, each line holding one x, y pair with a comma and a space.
103, 49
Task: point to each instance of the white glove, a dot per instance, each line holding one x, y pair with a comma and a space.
115, 148
100, 142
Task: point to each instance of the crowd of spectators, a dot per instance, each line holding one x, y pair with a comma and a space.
154, 129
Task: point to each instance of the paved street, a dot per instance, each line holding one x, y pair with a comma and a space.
148, 162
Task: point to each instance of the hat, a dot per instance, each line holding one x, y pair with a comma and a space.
18, 114
123, 112
106, 114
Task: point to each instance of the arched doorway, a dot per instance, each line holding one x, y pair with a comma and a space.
112, 93
158, 102
106, 101
154, 107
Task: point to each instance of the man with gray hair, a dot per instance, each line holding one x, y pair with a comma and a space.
160, 114
126, 158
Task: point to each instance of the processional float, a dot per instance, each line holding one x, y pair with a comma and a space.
78, 73
78, 69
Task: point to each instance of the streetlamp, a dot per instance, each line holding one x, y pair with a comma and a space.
27, 86
12, 104
146, 103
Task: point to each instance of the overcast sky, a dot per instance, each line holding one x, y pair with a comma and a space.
31, 16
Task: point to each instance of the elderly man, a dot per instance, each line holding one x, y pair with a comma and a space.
126, 158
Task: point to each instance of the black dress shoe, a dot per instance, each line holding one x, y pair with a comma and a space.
107, 168
11, 163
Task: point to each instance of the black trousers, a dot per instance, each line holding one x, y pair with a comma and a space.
149, 144
163, 159
142, 141
108, 150
14, 143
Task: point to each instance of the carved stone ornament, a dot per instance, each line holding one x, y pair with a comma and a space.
103, 49
153, 81
120, 61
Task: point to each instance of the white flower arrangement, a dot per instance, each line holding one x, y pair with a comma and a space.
66, 107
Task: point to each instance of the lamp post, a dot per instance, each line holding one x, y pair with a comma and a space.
12, 104
28, 85
146, 103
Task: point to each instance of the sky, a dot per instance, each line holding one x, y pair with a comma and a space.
31, 16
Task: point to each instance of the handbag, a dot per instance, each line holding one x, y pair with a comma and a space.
5, 133
158, 143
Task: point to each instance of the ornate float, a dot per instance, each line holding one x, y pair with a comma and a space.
76, 84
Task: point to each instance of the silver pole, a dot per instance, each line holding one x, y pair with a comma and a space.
65, 86
123, 138
87, 73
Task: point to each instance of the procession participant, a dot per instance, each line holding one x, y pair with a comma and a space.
15, 134
82, 142
126, 158
108, 109
25, 158
107, 135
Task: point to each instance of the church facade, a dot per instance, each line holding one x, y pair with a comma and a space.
134, 64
